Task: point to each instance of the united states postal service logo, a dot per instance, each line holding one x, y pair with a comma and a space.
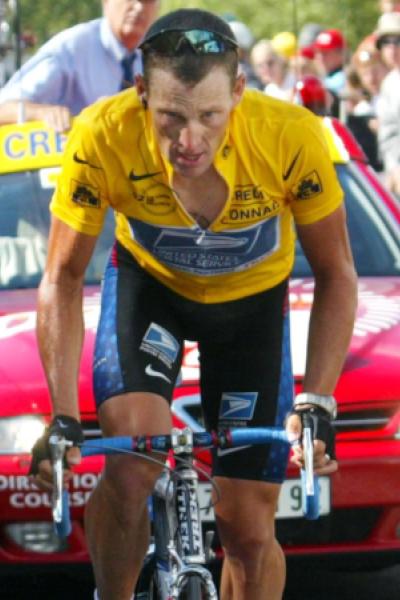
238, 405
162, 342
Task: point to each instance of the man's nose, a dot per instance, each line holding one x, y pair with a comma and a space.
190, 136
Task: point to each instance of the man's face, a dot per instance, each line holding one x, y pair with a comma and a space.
190, 121
130, 19
329, 60
390, 50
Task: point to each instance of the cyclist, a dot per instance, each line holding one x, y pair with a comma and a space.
206, 180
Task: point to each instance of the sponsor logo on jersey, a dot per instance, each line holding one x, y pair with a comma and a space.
85, 195
135, 177
206, 252
288, 172
252, 213
237, 406
308, 187
81, 161
158, 342
156, 200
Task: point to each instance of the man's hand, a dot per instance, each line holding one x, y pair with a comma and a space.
323, 435
41, 469
57, 117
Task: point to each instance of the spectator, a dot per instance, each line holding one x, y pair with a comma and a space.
387, 38
386, 6
330, 54
79, 65
388, 34
308, 34
303, 63
311, 93
371, 70
273, 70
245, 40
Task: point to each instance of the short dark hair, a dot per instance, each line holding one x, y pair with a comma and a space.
187, 65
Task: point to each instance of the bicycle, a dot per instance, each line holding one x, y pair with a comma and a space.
176, 564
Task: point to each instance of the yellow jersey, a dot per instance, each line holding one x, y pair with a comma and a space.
273, 158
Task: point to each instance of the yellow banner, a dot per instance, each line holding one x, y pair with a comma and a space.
29, 146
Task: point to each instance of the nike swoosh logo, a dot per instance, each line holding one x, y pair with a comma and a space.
286, 175
81, 161
62, 425
134, 177
153, 373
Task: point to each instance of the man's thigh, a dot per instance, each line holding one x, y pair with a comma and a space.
139, 343
247, 382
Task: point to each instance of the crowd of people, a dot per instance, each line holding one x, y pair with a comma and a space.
317, 69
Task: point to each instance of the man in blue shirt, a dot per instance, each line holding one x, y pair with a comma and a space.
79, 65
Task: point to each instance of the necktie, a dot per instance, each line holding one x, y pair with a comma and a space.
127, 71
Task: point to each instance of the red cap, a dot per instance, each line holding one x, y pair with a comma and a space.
329, 39
311, 91
306, 52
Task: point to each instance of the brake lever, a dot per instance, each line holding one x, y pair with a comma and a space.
59, 497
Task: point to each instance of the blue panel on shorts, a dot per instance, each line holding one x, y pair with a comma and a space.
279, 453
107, 376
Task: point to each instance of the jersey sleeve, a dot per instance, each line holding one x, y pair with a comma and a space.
311, 182
80, 198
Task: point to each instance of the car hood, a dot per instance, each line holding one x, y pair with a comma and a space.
370, 371
23, 388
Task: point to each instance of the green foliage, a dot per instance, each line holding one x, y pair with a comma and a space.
265, 17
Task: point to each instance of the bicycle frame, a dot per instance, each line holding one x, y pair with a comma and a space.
177, 493
176, 504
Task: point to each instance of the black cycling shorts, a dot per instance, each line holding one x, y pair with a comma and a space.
244, 351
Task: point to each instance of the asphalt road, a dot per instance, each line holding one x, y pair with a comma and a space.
304, 582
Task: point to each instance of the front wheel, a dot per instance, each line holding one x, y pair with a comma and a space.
193, 589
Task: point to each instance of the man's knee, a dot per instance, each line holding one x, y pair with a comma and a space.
246, 523
129, 478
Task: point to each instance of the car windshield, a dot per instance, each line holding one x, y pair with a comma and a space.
24, 226
374, 237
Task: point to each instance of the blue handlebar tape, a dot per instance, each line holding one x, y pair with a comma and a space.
310, 504
63, 529
260, 435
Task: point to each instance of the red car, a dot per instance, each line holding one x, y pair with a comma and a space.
360, 503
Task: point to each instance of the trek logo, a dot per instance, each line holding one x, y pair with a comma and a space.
238, 406
286, 175
153, 373
81, 161
134, 177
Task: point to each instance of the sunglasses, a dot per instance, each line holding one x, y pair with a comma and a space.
389, 40
198, 41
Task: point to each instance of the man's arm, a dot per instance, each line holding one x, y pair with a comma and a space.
326, 246
19, 111
327, 249
60, 327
